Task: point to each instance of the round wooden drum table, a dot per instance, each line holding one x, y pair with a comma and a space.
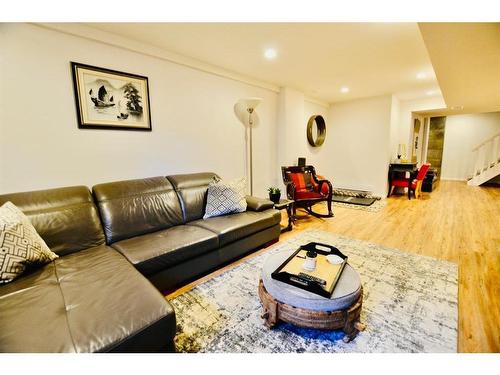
284, 302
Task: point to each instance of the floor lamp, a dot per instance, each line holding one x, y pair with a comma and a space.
249, 105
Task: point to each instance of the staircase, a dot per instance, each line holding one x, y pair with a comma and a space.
486, 161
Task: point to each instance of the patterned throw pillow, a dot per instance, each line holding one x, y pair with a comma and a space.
225, 197
20, 244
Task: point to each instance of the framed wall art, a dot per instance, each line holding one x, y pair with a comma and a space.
108, 99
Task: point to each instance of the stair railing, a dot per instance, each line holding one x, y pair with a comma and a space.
486, 154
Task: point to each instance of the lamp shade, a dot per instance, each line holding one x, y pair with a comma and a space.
250, 103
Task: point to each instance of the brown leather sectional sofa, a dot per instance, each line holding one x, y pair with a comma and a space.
96, 296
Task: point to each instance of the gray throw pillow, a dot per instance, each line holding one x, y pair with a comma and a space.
225, 197
20, 244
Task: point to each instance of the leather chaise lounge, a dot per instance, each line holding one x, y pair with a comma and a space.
115, 246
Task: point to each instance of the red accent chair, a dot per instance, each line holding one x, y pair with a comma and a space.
305, 188
414, 185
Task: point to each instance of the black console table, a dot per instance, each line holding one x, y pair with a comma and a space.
398, 170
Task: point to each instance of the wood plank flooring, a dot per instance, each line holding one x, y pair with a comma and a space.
457, 223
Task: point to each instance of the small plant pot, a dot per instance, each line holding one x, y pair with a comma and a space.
275, 197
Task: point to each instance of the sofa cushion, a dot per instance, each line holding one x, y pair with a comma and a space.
233, 227
225, 197
192, 189
134, 207
154, 252
89, 301
66, 218
20, 245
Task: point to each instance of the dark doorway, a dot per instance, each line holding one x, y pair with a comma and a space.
436, 142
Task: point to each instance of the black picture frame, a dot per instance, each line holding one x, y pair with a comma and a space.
97, 109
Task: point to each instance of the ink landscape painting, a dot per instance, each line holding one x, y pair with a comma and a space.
110, 99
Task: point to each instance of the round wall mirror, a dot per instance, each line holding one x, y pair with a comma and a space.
316, 130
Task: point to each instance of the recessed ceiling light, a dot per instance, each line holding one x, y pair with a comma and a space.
270, 53
457, 107
344, 90
421, 75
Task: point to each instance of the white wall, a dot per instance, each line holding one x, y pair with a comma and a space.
464, 132
359, 135
320, 157
294, 113
290, 126
194, 125
394, 127
360, 143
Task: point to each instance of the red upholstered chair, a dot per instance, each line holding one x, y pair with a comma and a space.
415, 184
305, 188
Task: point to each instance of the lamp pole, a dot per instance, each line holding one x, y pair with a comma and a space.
248, 104
250, 124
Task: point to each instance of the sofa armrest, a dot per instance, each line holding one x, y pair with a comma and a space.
258, 204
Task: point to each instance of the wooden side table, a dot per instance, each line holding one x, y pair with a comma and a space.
287, 303
346, 319
288, 205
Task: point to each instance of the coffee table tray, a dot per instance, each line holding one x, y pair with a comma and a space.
289, 271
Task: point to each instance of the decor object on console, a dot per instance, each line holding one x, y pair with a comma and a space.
401, 152
225, 197
249, 105
316, 124
274, 194
20, 244
413, 184
305, 189
108, 99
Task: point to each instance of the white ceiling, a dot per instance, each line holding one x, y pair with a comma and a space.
317, 58
466, 58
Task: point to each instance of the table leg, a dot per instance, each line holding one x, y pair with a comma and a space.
389, 177
290, 216
289, 212
351, 330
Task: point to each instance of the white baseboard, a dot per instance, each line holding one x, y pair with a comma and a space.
452, 179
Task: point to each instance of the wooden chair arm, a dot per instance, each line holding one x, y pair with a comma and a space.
320, 185
290, 189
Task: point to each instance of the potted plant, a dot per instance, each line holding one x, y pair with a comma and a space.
274, 194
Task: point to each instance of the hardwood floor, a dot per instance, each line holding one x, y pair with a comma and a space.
457, 223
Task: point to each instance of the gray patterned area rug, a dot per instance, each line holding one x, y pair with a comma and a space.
374, 207
410, 305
